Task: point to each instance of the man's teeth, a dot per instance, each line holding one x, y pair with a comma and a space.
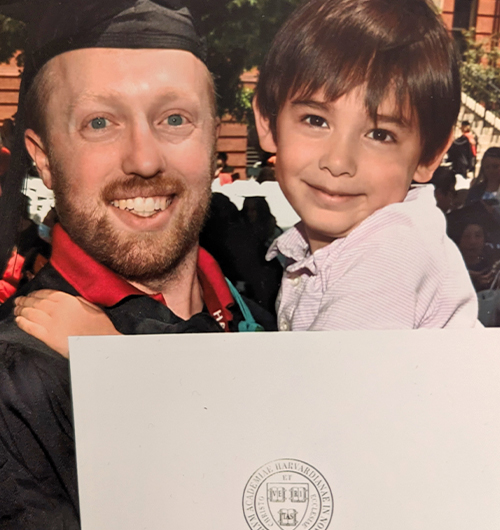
143, 206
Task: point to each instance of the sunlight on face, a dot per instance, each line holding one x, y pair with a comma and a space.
337, 167
131, 153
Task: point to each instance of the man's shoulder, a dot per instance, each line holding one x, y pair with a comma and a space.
47, 278
24, 358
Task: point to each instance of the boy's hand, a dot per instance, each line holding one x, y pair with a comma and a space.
53, 316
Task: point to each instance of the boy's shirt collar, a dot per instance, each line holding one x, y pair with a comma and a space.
99, 285
293, 244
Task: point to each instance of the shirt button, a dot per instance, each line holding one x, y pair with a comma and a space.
284, 326
296, 281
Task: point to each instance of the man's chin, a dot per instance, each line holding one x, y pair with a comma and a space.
151, 263
146, 258
140, 258
141, 254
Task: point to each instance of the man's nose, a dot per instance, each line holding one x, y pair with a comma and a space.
142, 152
339, 155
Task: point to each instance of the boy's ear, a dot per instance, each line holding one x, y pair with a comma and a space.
38, 154
266, 138
424, 172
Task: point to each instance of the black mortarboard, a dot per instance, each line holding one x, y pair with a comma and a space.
58, 26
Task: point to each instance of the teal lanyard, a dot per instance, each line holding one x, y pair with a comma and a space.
248, 323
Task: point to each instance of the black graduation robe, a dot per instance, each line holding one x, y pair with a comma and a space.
38, 485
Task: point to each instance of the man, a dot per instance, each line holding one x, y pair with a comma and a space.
472, 137
120, 123
462, 152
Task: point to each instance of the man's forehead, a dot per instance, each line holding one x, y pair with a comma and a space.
80, 79
108, 67
91, 57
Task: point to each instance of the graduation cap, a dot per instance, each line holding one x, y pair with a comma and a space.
58, 26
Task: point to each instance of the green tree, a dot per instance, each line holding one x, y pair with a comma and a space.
239, 32
12, 39
480, 70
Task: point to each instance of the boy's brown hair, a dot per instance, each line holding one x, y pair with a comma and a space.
390, 46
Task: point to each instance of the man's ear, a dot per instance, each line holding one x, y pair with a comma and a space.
266, 138
424, 172
38, 154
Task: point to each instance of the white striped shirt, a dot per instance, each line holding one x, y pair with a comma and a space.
396, 270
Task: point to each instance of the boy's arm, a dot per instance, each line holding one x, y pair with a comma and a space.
53, 316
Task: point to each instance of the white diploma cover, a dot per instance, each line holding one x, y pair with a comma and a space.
289, 431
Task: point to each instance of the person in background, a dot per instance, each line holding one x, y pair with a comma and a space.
266, 175
481, 260
461, 156
27, 257
223, 171
7, 131
258, 217
471, 136
444, 182
486, 187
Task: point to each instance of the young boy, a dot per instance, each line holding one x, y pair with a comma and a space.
358, 99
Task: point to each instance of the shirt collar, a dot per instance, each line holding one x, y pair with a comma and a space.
100, 285
293, 245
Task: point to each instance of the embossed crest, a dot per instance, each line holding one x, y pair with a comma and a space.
287, 494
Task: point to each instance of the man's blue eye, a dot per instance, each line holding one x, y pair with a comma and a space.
175, 120
99, 123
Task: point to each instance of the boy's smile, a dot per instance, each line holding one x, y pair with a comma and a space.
336, 167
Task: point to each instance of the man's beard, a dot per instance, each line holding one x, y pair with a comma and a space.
147, 258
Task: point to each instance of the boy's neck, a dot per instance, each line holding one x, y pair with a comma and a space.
316, 241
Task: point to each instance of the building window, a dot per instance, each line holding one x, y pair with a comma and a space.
464, 16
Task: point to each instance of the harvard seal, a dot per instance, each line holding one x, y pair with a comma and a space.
287, 494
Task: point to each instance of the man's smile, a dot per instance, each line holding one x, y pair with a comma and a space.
143, 206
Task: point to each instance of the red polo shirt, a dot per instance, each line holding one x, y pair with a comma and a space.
101, 286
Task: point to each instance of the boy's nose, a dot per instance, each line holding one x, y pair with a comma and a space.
142, 153
339, 157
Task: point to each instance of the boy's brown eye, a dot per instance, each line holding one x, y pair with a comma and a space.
316, 121
381, 135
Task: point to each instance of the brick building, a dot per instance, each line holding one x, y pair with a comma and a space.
484, 15
9, 88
